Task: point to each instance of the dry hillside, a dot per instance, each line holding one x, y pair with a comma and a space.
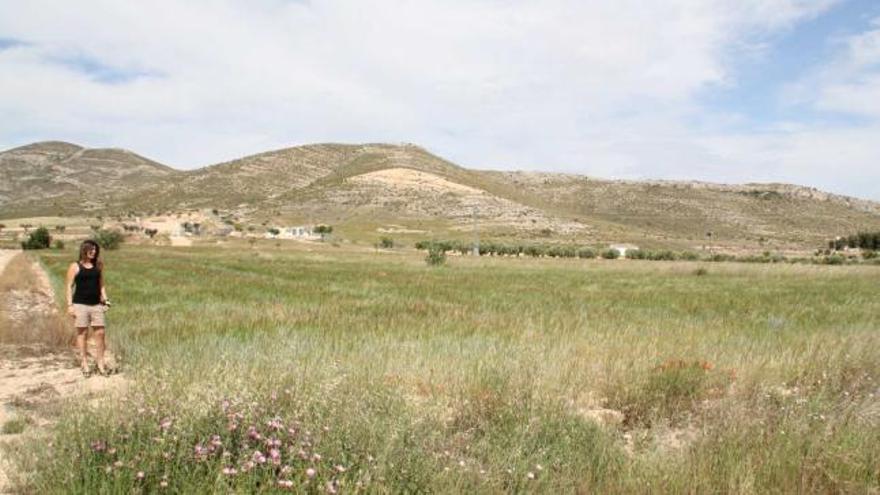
362, 189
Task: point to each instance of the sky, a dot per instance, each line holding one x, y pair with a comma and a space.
730, 91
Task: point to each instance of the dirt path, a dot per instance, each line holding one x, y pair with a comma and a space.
36, 374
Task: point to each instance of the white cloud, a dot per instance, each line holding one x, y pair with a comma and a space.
596, 87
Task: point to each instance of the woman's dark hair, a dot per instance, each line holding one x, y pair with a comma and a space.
84, 249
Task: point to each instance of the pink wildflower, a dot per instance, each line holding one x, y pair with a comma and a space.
163, 484
332, 487
200, 451
531, 475
99, 446
339, 468
166, 424
258, 457
140, 475
310, 473
253, 434
247, 466
286, 470
216, 441
230, 471
275, 455
275, 423
285, 483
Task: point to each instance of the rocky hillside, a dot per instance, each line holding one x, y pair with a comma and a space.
365, 189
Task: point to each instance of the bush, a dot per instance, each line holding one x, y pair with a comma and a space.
38, 239
611, 254
636, 254
586, 253
436, 255
689, 256
58, 244
386, 243
108, 239
834, 259
868, 255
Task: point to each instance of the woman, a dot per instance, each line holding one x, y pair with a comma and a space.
87, 301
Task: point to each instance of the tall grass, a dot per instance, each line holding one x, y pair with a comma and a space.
383, 375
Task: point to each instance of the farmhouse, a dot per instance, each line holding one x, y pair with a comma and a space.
623, 248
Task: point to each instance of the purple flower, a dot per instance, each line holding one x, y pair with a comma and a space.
310, 473
253, 434
275, 455
258, 457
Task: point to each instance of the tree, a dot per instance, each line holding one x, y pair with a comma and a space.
38, 239
323, 230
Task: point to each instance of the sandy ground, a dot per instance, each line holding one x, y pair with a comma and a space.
33, 376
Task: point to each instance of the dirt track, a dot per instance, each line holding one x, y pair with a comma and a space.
34, 375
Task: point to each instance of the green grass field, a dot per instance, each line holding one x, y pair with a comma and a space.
336, 371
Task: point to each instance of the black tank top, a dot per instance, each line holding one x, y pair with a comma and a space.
88, 285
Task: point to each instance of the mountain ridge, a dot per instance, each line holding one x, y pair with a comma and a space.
373, 184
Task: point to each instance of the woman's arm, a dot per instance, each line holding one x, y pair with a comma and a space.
71, 274
104, 297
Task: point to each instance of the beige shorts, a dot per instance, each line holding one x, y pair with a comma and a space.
86, 315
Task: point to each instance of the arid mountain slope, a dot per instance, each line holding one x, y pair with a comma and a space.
360, 188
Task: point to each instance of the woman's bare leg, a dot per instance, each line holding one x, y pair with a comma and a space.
98, 334
81, 334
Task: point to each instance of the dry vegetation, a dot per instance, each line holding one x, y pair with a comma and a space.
265, 368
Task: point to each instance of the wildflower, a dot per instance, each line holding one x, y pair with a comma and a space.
339, 468
99, 446
200, 451
273, 442
539, 467
230, 471
275, 455
310, 473
140, 475
302, 454
111, 451
275, 423
285, 483
258, 457
332, 487
232, 426
530, 475
117, 464
225, 405
325, 429
286, 470
247, 466
273, 396
291, 431
216, 441
163, 484
166, 424
253, 434
108, 469
316, 457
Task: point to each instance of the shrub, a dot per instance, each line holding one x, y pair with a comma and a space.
586, 253
58, 244
689, 256
108, 239
834, 259
701, 271
273, 231
636, 254
38, 239
386, 243
610, 254
436, 255
869, 254
323, 230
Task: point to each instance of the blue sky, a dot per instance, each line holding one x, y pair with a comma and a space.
713, 90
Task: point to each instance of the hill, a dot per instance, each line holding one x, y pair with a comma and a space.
367, 189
